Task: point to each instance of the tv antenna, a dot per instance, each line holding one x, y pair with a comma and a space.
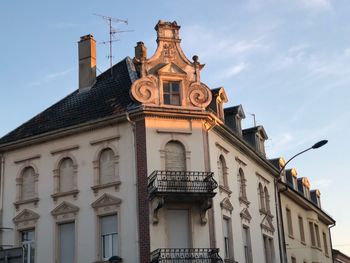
112, 33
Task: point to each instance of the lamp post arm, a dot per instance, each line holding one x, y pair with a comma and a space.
284, 166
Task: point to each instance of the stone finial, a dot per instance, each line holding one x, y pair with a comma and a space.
167, 31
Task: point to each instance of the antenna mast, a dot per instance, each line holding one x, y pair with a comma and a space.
112, 31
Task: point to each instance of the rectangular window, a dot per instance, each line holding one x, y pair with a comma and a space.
301, 229
289, 222
28, 243
294, 260
109, 236
247, 245
312, 234
325, 243
318, 239
171, 93
227, 237
66, 236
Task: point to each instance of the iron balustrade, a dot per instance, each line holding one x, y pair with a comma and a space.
181, 182
186, 255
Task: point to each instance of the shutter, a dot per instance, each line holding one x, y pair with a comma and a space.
67, 242
66, 175
28, 185
175, 158
107, 167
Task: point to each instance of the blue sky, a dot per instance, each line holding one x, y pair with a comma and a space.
288, 62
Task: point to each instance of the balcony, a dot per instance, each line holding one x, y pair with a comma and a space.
181, 184
186, 255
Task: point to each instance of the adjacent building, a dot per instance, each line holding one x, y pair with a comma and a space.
305, 225
144, 162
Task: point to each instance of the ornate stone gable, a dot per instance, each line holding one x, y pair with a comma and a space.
106, 200
64, 208
169, 64
106, 204
266, 224
245, 215
25, 215
226, 204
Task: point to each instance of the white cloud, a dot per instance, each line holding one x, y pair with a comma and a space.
234, 70
318, 5
217, 45
321, 183
52, 76
281, 142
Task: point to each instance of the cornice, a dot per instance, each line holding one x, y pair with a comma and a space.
41, 138
307, 204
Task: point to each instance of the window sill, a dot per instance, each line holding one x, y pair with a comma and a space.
303, 242
225, 189
74, 193
290, 236
34, 200
229, 260
244, 200
98, 187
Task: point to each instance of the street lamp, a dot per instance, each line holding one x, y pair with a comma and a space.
315, 146
277, 193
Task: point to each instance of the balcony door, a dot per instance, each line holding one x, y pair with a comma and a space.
178, 228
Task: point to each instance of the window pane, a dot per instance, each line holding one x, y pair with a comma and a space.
175, 99
109, 236
166, 99
166, 87
175, 87
28, 243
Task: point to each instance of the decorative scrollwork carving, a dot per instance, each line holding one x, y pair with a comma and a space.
145, 91
199, 95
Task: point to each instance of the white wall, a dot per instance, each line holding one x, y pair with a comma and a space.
86, 220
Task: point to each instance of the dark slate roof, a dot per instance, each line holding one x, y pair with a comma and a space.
109, 96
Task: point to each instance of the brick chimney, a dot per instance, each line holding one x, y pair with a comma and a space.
87, 62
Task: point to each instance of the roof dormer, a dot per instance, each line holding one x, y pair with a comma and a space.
315, 196
292, 178
304, 186
233, 118
256, 137
169, 78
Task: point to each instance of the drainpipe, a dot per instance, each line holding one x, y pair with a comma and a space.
279, 218
330, 238
135, 180
2, 172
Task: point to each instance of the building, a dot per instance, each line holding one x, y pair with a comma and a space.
306, 226
339, 257
142, 162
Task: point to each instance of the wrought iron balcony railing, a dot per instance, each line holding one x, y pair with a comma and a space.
165, 182
186, 255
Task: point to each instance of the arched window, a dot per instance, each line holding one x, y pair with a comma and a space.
222, 171
107, 166
28, 183
267, 199
262, 197
242, 182
66, 175
175, 156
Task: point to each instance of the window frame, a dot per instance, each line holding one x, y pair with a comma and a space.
289, 222
171, 93
228, 247
101, 240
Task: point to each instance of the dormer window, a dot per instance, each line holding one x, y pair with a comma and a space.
171, 93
